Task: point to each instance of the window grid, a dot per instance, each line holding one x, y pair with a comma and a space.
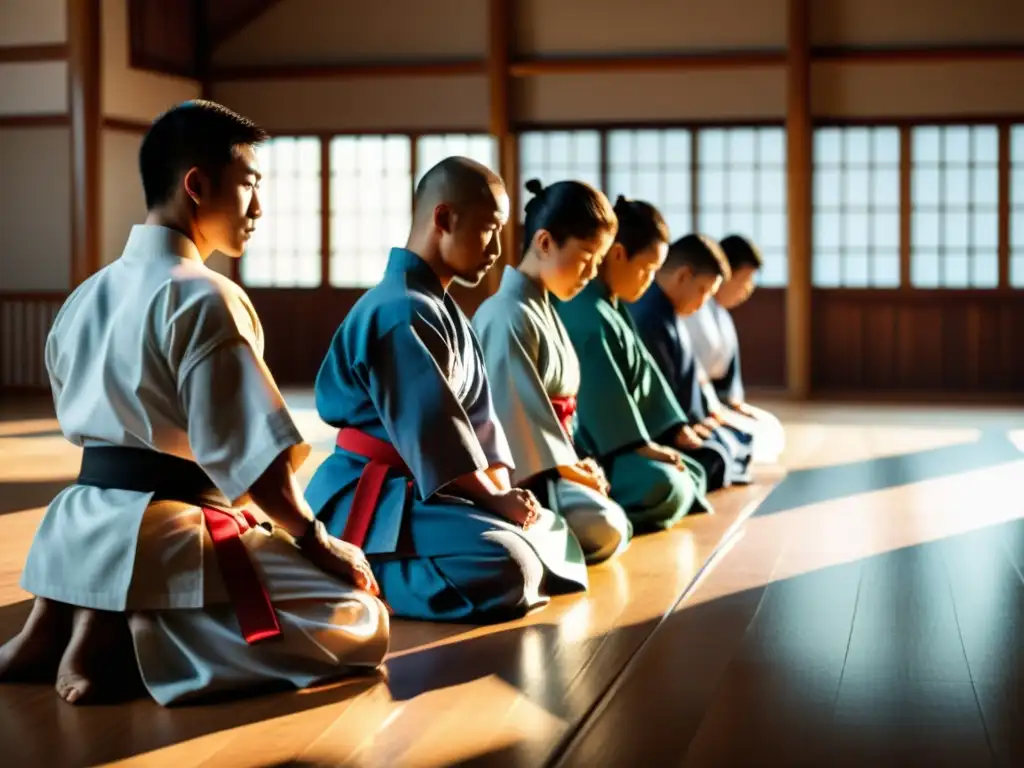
371, 209
741, 183
557, 156
955, 207
856, 208
1016, 206
432, 149
954, 213
655, 166
285, 252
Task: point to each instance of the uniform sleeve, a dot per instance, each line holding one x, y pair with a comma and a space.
406, 380
483, 415
511, 351
730, 386
237, 420
607, 412
658, 405
238, 423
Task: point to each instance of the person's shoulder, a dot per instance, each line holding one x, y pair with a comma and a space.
387, 306
195, 294
501, 313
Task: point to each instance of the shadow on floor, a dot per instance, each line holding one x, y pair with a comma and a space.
767, 662
802, 487
21, 495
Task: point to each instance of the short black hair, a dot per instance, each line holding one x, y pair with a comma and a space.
196, 134
701, 254
741, 252
567, 209
641, 225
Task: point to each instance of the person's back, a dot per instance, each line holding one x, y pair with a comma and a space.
420, 474
123, 332
628, 418
716, 345
534, 368
145, 563
693, 271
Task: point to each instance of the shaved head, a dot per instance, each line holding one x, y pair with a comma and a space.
459, 210
458, 182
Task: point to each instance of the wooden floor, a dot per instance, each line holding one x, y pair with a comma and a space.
864, 607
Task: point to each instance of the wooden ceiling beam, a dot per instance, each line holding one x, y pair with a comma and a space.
534, 67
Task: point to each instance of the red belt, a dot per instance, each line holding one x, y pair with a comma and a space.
565, 409
255, 612
381, 456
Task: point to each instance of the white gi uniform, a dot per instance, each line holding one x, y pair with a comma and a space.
155, 351
717, 349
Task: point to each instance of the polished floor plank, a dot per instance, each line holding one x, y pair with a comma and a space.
826, 633
454, 694
742, 669
988, 593
907, 693
835, 652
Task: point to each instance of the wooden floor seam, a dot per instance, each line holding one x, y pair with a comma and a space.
721, 549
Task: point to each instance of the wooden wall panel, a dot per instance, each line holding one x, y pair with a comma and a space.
958, 342
761, 325
298, 325
163, 35
25, 321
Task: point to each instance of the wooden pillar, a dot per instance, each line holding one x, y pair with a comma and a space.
798, 157
1004, 205
85, 110
498, 50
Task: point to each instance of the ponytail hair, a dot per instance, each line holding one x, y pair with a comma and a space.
641, 225
567, 209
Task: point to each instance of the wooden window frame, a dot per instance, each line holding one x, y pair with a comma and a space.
1003, 124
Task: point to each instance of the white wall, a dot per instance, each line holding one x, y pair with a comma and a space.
34, 88
33, 22
35, 162
121, 185
35, 211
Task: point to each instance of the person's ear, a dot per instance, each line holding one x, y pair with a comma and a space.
195, 185
616, 253
542, 242
444, 217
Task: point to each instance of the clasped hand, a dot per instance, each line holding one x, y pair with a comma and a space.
340, 558
589, 473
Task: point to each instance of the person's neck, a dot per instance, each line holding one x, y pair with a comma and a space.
427, 249
602, 276
663, 283
183, 224
530, 266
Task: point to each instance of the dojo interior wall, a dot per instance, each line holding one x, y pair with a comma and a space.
35, 169
411, 67
36, 160
861, 340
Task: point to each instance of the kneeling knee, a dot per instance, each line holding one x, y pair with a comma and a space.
672, 497
601, 533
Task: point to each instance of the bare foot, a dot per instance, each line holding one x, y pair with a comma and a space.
97, 638
35, 652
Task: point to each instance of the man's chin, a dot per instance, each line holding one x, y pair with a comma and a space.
470, 281
474, 278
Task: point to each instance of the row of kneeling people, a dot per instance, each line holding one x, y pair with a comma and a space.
479, 466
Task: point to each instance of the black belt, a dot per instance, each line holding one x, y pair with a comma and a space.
167, 477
